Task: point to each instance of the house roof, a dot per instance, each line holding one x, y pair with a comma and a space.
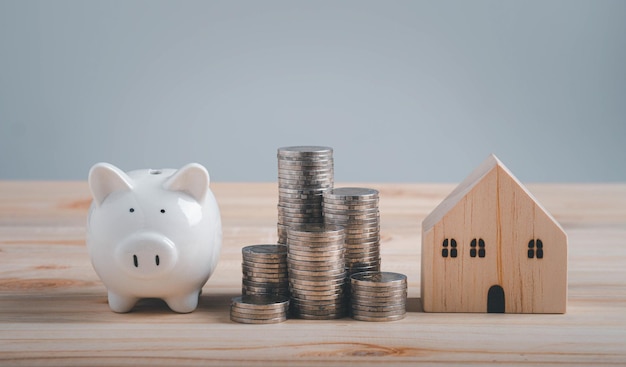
492, 162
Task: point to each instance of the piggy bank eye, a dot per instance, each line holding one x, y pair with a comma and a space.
162, 210
131, 210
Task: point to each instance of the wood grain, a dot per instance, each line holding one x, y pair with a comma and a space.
53, 308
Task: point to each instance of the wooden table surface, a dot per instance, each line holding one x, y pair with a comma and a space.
53, 307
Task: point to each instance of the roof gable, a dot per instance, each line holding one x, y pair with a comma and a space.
473, 179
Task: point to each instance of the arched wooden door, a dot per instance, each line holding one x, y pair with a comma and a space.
495, 299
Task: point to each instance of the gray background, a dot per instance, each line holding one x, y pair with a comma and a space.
402, 90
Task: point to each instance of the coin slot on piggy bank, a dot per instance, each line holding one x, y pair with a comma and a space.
153, 234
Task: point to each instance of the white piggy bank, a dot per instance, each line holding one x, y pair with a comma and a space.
153, 234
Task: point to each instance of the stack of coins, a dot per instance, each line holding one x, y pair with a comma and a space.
378, 296
316, 272
304, 173
356, 209
259, 309
264, 270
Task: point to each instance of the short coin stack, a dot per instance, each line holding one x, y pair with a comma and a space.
304, 173
316, 272
378, 296
259, 309
264, 270
356, 209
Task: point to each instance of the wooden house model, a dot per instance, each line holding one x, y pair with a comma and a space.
491, 247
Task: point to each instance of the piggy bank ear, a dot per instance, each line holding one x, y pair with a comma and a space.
105, 178
192, 179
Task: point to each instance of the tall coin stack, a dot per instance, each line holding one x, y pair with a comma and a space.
304, 173
378, 296
356, 209
316, 272
264, 270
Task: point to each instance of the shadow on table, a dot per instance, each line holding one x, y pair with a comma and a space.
93, 308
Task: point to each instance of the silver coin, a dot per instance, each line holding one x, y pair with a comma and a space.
297, 202
350, 213
311, 177
353, 222
257, 316
375, 293
247, 291
401, 311
382, 318
374, 317
254, 321
353, 270
332, 250
305, 273
259, 302
317, 230
289, 221
299, 213
342, 203
319, 269
299, 217
260, 310
353, 193
306, 316
378, 279
318, 313
358, 218
320, 279
296, 250
316, 297
331, 303
264, 250
301, 193
264, 281
269, 268
305, 150
316, 310
298, 183
360, 267
319, 283
263, 286
322, 173
317, 240
299, 165
349, 207
317, 291
355, 246
276, 278
389, 289
295, 222
362, 253
308, 178
267, 292
297, 196
265, 267
369, 259
306, 159
391, 303
357, 231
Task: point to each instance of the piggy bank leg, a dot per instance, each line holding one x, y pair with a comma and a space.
185, 303
119, 303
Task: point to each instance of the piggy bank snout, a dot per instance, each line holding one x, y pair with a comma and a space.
146, 255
